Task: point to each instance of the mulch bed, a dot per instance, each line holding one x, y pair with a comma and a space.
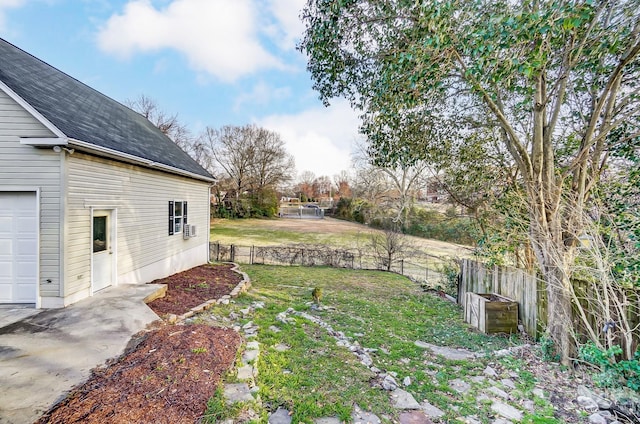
193, 287
167, 374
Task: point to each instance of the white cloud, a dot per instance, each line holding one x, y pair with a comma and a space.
320, 139
289, 26
4, 6
262, 94
219, 37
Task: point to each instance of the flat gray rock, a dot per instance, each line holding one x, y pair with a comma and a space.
431, 411
506, 411
281, 347
597, 419
459, 386
498, 392
403, 400
245, 373
490, 372
447, 352
389, 383
249, 356
238, 392
253, 346
362, 417
414, 417
507, 382
281, 416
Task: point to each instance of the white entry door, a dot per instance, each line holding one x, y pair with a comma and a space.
18, 247
102, 249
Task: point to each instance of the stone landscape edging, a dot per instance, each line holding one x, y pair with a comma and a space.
241, 287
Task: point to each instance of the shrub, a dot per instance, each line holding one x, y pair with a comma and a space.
612, 373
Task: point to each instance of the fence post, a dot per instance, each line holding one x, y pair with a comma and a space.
218, 252
251, 255
233, 253
401, 266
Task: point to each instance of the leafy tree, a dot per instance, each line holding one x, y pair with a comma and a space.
555, 77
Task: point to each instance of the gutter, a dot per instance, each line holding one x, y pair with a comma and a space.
125, 157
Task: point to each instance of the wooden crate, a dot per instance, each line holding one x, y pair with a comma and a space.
491, 313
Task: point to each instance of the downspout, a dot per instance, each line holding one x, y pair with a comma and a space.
209, 222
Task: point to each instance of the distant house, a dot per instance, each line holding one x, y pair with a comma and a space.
91, 193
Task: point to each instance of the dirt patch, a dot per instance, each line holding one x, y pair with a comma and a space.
193, 287
168, 373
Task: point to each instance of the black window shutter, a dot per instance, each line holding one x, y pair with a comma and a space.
184, 212
170, 218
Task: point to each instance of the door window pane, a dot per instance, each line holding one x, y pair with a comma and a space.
99, 233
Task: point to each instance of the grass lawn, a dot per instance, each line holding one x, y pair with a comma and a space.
330, 232
382, 311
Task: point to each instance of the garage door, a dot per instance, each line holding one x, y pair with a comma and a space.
18, 247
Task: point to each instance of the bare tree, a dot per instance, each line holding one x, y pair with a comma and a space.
251, 160
390, 246
305, 183
396, 186
343, 181
169, 124
272, 165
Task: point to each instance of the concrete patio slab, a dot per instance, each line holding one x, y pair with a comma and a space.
14, 313
45, 355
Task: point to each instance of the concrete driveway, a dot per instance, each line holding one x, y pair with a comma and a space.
44, 355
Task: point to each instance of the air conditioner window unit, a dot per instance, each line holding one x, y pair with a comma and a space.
189, 231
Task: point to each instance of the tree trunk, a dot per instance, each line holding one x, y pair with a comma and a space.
559, 312
555, 258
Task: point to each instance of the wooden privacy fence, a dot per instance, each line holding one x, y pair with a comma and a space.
513, 283
530, 293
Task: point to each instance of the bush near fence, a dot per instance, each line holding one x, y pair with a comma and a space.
423, 270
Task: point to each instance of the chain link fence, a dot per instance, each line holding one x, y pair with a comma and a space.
422, 268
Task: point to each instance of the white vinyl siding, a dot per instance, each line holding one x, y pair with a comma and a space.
26, 166
140, 197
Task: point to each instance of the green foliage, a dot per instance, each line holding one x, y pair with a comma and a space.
448, 227
548, 348
344, 208
258, 204
619, 200
218, 410
449, 270
356, 210
613, 373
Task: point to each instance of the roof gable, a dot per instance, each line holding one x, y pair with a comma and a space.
84, 114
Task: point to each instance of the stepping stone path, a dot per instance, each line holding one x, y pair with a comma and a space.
490, 387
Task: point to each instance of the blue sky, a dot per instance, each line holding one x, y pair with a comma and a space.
213, 62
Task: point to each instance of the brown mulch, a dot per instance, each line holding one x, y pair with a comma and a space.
193, 287
168, 373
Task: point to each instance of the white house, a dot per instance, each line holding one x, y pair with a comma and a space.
91, 193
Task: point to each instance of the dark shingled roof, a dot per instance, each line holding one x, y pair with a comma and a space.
85, 114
